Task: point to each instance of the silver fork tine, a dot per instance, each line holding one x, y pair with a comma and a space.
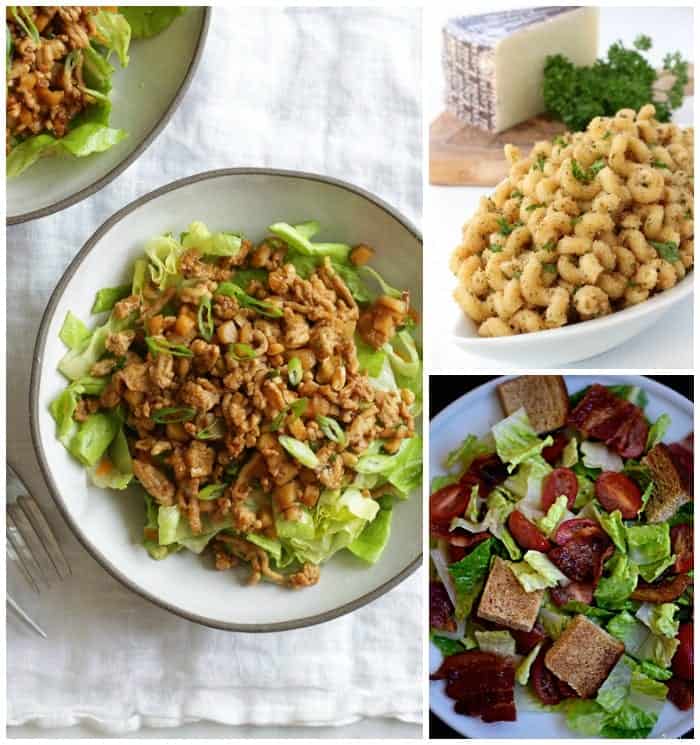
38, 521
24, 553
33, 543
14, 556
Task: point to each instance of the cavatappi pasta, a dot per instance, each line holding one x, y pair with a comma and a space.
587, 224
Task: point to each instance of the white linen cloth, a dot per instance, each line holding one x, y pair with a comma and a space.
335, 91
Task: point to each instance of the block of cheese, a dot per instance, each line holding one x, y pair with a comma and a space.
494, 63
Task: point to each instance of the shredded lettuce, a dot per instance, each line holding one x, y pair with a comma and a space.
114, 470
211, 244
650, 549
596, 455
296, 238
106, 298
74, 333
372, 541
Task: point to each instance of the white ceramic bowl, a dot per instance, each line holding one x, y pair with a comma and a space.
558, 347
110, 523
481, 409
145, 95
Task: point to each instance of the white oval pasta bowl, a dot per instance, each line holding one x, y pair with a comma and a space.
481, 409
577, 341
110, 523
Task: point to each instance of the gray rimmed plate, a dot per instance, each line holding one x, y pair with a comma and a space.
110, 524
145, 95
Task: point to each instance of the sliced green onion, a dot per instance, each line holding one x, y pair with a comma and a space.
331, 429
299, 451
172, 414
205, 321
159, 345
230, 289
213, 491
240, 351
215, 431
297, 408
295, 371
26, 23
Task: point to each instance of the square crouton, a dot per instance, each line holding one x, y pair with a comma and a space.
583, 656
670, 493
504, 600
544, 398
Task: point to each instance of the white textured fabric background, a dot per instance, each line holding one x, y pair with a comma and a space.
336, 91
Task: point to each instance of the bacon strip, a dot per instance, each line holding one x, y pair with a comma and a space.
664, 592
618, 423
441, 609
481, 683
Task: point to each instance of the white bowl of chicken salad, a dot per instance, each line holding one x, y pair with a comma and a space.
228, 377
561, 596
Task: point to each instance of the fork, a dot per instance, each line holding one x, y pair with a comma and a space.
32, 545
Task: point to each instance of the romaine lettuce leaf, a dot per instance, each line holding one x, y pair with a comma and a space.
114, 34
614, 589
463, 455
516, 441
537, 572
469, 575
657, 431
498, 642
660, 618
522, 672
612, 524
555, 514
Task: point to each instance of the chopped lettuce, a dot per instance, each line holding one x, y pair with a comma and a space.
106, 298
147, 21
522, 672
297, 240
615, 588
403, 470
657, 431
660, 618
648, 544
469, 575
74, 333
553, 620
569, 456
537, 572
596, 455
640, 641
114, 470
463, 455
555, 514
516, 441
447, 646
498, 509
211, 244
498, 642
114, 33
612, 524
372, 541
78, 361
371, 360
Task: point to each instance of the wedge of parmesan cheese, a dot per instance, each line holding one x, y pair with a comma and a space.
494, 63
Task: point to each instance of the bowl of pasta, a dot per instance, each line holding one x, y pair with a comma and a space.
587, 242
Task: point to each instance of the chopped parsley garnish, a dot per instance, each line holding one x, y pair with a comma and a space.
495, 248
516, 194
539, 163
504, 228
551, 268
667, 251
659, 164
623, 79
559, 140
548, 246
587, 175
532, 207
576, 220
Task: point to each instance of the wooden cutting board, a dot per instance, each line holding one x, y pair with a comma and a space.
461, 155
